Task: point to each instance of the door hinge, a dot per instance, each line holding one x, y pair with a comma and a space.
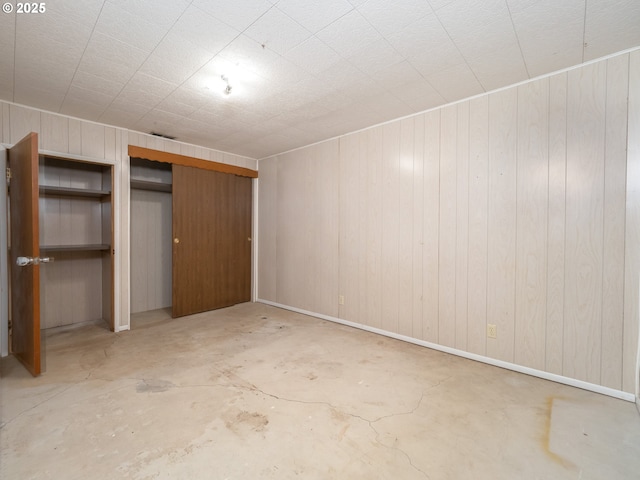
8, 174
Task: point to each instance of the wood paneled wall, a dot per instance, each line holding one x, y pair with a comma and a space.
101, 143
513, 208
151, 247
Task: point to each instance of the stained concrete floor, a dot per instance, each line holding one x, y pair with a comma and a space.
253, 392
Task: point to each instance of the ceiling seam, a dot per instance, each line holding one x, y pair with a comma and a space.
75, 72
461, 55
584, 30
526, 68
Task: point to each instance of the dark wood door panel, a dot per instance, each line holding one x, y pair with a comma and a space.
24, 226
212, 246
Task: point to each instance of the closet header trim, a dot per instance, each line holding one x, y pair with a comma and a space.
166, 157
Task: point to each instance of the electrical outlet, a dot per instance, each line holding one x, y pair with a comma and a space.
341, 300
492, 330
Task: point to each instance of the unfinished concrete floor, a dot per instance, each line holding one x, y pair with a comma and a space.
257, 392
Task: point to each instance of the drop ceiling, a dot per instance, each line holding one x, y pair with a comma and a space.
301, 71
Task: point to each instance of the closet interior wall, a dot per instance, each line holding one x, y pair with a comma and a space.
151, 223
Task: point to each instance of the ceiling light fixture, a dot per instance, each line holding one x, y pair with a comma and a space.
227, 89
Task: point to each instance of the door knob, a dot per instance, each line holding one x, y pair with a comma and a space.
176, 240
24, 261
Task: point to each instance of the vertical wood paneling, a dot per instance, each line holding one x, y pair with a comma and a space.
22, 121
351, 251
267, 218
391, 223
6, 123
584, 234
374, 226
358, 305
92, 140
308, 184
75, 136
110, 144
418, 227
556, 223
54, 133
630, 369
431, 226
122, 241
405, 227
531, 226
151, 250
478, 195
292, 247
615, 169
447, 238
462, 226
325, 238
502, 222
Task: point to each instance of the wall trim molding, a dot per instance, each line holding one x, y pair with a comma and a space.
572, 382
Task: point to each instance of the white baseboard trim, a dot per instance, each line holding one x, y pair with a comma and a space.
592, 387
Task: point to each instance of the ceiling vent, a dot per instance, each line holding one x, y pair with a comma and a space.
156, 134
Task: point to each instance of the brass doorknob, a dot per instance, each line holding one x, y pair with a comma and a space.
176, 240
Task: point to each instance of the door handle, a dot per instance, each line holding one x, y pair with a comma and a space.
24, 261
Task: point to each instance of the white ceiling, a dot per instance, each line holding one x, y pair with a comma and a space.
301, 70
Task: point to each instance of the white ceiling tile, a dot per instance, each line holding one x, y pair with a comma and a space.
419, 95
375, 57
245, 54
455, 83
517, 6
118, 23
438, 4
341, 74
314, 15
175, 59
172, 104
89, 96
611, 25
463, 17
49, 99
88, 81
283, 71
399, 74
106, 69
119, 118
129, 108
203, 30
420, 38
496, 69
104, 48
391, 17
349, 34
277, 31
239, 14
549, 42
81, 109
163, 14
486, 39
146, 90
313, 55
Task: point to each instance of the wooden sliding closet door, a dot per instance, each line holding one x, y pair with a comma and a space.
211, 240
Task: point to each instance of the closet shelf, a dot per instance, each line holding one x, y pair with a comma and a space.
73, 192
153, 186
96, 247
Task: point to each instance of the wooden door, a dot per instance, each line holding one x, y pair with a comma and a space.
25, 242
212, 244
